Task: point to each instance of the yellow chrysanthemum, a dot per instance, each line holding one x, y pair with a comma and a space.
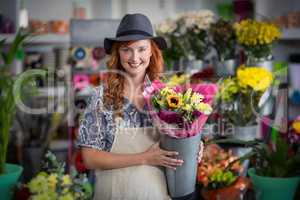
174, 101
257, 78
250, 32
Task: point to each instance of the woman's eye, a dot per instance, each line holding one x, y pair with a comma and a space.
125, 50
142, 50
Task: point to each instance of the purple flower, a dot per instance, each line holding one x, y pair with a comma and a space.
170, 117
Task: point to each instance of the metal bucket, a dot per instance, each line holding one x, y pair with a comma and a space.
182, 181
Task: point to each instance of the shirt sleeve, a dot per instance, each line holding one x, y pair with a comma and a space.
92, 131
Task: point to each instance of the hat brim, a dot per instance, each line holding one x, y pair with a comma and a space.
108, 42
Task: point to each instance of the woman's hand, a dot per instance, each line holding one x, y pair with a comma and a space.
156, 156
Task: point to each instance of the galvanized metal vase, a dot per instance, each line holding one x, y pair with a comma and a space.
226, 67
245, 133
182, 181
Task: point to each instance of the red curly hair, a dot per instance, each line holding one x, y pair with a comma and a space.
115, 81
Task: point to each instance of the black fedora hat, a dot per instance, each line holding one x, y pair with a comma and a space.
134, 27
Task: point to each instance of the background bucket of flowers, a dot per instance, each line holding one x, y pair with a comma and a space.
239, 96
257, 39
219, 175
53, 183
186, 35
224, 41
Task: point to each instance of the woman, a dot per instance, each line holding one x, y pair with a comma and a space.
116, 135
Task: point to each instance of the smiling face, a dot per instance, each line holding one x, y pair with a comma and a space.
135, 57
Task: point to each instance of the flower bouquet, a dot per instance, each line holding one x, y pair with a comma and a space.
219, 174
257, 38
54, 184
179, 113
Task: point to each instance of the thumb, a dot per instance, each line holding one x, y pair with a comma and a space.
156, 145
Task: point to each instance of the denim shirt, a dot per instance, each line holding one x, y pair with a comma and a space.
97, 127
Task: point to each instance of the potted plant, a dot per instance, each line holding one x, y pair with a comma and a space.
9, 94
53, 182
224, 41
218, 177
257, 39
275, 173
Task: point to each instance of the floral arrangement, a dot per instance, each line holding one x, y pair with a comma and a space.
217, 168
54, 184
224, 39
257, 38
239, 96
187, 35
277, 154
179, 111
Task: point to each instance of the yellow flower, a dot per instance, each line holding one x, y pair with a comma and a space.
196, 98
52, 180
296, 126
204, 108
250, 32
174, 101
66, 180
38, 184
166, 91
187, 107
187, 95
177, 80
257, 78
67, 196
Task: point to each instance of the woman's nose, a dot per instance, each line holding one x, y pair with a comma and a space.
134, 56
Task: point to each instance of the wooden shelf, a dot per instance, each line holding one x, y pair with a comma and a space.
41, 39
290, 34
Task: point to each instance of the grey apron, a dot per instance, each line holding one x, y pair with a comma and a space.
141, 182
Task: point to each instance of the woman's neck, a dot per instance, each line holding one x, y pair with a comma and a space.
135, 85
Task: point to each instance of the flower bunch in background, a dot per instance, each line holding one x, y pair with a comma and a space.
224, 39
257, 38
294, 132
186, 35
177, 79
239, 96
217, 168
180, 110
54, 184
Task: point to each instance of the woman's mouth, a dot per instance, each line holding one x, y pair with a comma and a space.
134, 65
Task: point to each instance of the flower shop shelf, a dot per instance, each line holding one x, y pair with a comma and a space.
291, 34
41, 39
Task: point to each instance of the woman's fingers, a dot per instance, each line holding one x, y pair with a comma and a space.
170, 153
171, 162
